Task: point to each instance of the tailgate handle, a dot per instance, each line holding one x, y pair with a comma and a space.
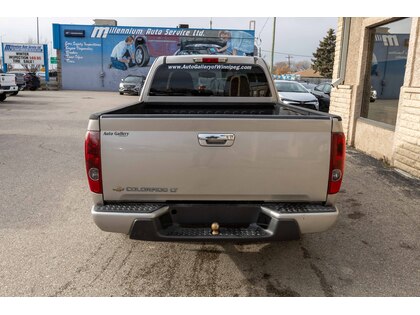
216, 139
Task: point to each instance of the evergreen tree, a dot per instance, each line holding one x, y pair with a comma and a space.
324, 55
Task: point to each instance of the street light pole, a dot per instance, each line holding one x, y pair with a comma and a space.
3, 66
272, 46
37, 30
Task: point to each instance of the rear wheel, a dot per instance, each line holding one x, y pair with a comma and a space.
2, 97
141, 55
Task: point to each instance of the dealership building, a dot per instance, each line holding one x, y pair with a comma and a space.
98, 57
382, 56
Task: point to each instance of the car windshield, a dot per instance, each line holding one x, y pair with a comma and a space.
290, 87
132, 79
308, 86
210, 80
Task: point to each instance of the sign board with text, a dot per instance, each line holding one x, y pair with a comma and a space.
27, 55
24, 54
98, 57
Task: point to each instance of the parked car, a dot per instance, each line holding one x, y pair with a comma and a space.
20, 81
293, 93
131, 84
32, 81
308, 86
322, 93
373, 95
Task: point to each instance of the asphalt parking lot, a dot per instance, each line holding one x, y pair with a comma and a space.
50, 246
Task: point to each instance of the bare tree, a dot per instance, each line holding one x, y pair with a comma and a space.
302, 65
281, 68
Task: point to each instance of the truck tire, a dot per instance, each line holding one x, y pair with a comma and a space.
141, 55
15, 93
2, 97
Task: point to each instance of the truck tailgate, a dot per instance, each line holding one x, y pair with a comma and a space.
161, 159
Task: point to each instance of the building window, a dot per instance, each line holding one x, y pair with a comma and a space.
385, 75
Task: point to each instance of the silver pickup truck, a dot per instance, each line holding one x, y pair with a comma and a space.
210, 154
7, 85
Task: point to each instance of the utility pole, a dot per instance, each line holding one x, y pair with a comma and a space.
37, 30
211, 23
288, 58
272, 46
2, 64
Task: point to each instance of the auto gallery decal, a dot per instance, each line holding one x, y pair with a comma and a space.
109, 54
116, 133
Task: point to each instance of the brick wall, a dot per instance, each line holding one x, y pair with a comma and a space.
402, 146
407, 132
340, 105
337, 51
340, 97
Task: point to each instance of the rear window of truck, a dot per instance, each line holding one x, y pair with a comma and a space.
210, 80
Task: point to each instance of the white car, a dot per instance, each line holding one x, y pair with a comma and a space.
294, 93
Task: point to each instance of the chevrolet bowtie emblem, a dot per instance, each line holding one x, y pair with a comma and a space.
119, 189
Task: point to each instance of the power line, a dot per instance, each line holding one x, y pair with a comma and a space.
259, 35
287, 54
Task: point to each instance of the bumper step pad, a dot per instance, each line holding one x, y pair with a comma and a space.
130, 207
299, 207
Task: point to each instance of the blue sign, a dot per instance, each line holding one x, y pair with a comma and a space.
100, 56
26, 55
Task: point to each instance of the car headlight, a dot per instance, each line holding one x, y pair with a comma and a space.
286, 101
315, 102
121, 85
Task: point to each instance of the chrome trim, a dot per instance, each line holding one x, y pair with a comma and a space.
308, 222
216, 139
121, 222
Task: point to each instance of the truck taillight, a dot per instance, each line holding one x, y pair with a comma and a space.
210, 60
338, 156
93, 161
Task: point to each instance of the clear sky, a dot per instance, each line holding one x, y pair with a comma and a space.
296, 36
